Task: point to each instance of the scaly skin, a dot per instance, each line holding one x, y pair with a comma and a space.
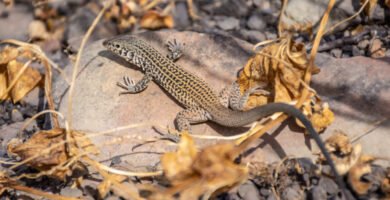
200, 101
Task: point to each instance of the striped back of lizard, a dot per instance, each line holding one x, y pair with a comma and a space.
185, 87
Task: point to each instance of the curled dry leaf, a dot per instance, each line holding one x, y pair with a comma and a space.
123, 12
9, 68
357, 171
279, 66
318, 113
50, 152
349, 160
29, 80
154, 20
193, 174
387, 3
342, 152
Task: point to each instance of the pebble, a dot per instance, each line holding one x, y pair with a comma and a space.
253, 36
270, 35
363, 44
337, 53
291, 193
228, 23
16, 116
318, 193
328, 185
248, 191
356, 51
256, 22
71, 192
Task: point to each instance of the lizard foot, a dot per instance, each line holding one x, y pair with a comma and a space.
175, 49
128, 84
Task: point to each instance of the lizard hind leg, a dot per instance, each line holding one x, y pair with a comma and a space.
231, 96
175, 50
189, 116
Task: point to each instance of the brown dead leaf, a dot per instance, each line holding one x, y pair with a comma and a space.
385, 185
154, 20
387, 3
8, 54
281, 67
194, 174
25, 83
376, 50
318, 113
355, 174
342, 152
370, 7
48, 156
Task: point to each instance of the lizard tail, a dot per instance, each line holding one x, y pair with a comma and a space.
239, 118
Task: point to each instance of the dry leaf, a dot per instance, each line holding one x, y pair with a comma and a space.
26, 82
387, 3
385, 185
154, 20
376, 49
342, 152
318, 113
41, 143
355, 174
281, 67
370, 7
204, 174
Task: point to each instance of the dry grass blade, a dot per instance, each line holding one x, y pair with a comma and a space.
78, 57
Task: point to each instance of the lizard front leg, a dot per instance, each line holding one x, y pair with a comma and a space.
131, 87
175, 50
189, 116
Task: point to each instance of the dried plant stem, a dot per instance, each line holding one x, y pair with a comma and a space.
347, 19
78, 58
280, 24
128, 173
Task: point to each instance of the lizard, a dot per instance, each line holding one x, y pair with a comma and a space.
200, 101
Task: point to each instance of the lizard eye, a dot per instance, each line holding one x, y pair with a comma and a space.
117, 46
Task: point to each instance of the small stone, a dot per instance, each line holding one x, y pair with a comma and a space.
228, 23
356, 51
328, 185
363, 44
253, 36
248, 191
71, 192
16, 116
387, 53
318, 193
270, 35
336, 53
291, 193
265, 192
256, 22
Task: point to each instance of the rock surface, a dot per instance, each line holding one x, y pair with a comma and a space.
357, 90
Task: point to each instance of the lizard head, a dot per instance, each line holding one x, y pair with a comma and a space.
122, 46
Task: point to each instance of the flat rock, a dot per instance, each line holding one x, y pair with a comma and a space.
355, 88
